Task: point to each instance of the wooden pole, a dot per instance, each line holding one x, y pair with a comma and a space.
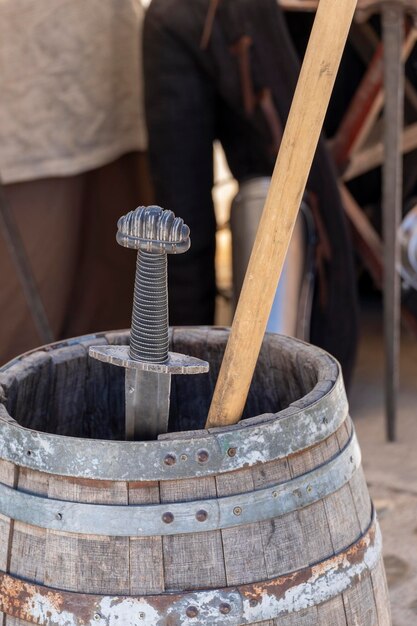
302, 132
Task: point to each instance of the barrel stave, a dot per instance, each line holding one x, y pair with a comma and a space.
361, 499
331, 613
360, 606
146, 553
242, 545
93, 564
8, 473
27, 550
193, 560
380, 591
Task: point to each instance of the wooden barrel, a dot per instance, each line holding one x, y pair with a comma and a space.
267, 522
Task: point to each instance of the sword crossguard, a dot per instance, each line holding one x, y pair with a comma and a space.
176, 363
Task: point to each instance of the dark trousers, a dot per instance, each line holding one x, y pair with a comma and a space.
194, 96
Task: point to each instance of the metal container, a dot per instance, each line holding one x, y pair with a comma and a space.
291, 310
267, 522
407, 236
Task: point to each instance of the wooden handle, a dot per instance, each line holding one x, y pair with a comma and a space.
302, 132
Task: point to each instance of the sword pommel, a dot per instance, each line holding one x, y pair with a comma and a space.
153, 229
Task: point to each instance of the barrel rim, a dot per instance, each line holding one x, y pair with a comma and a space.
258, 439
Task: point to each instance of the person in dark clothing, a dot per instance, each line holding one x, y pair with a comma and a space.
227, 70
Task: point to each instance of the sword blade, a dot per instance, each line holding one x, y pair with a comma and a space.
147, 404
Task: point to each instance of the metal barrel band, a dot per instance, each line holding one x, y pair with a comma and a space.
233, 606
287, 432
183, 517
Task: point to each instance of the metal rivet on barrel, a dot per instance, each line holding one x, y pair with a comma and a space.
192, 611
203, 456
184, 457
232, 451
325, 420
97, 617
141, 615
29, 452
237, 510
168, 518
225, 608
58, 516
170, 459
275, 494
309, 489
201, 515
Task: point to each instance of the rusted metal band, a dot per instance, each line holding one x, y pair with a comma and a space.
183, 517
261, 439
232, 606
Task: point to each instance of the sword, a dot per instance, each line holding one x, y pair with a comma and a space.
154, 233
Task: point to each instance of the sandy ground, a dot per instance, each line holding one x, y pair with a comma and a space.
391, 468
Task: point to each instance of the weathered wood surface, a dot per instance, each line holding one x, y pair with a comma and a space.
89, 401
